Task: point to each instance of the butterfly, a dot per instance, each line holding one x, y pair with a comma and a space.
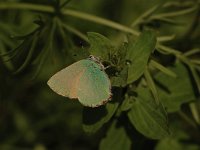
85, 80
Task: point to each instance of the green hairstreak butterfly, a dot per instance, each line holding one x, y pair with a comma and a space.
85, 80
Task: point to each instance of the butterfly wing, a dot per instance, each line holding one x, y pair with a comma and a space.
65, 82
94, 86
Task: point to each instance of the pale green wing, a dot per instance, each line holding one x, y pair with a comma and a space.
65, 82
94, 86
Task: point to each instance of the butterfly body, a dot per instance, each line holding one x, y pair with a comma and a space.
85, 80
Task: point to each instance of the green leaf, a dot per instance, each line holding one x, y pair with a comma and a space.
29, 55
151, 85
174, 92
95, 118
195, 111
176, 13
179, 140
174, 144
127, 103
169, 144
166, 20
145, 15
121, 79
162, 68
138, 54
118, 60
116, 139
100, 45
75, 31
192, 52
148, 118
8, 64
195, 77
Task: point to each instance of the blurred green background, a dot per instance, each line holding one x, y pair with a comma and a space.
32, 117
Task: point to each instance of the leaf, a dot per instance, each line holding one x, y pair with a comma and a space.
166, 20
180, 139
8, 64
100, 45
151, 85
121, 79
192, 52
174, 144
95, 118
162, 68
120, 76
169, 143
127, 103
174, 92
75, 31
148, 118
145, 15
29, 55
176, 13
195, 77
19, 52
121, 53
138, 54
116, 139
195, 111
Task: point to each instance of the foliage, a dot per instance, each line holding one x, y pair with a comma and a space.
153, 64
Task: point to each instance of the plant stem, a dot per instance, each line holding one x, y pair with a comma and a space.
195, 61
8, 64
188, 119
162, 68
168, 49
176, 13
69, 12
85, 16
75, 31
26, 6
192, 52
195, 112
77, 14
144, 15
99, 20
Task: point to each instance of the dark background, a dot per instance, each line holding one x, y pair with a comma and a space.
32, 117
